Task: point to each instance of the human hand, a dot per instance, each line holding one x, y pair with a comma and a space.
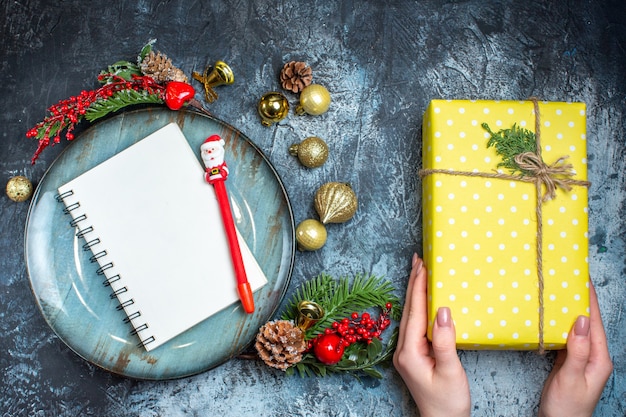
433, 373
580, 372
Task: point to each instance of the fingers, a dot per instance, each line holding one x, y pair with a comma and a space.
600, 364
587, 357
598, 335
407, 301
578, 349
444, 343
413, 322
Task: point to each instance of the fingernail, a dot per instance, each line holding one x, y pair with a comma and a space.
420, 265
581, 328
444, 318
415, 259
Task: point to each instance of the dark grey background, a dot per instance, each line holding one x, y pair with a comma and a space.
382, 62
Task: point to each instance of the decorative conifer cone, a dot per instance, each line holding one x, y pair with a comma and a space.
160, 67
295, 75
280, 344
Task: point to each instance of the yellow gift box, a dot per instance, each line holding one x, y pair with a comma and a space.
512, 267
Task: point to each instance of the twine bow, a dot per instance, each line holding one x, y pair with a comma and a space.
553, 176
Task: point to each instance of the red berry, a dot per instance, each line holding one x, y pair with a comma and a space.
328, 349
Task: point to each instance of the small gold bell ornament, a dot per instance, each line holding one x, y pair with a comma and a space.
219, 74
335, 202
312, 152
273, 107
314, 100
19, 188
310, 235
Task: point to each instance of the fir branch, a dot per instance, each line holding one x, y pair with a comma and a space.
317, 289
341, 298
121, 69
509, 143
145, 51
357, 361
119, 100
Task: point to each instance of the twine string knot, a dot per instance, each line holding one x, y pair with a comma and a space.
552, 176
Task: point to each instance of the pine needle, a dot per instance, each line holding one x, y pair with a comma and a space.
341, 298
510, 143
123, 69
119, 100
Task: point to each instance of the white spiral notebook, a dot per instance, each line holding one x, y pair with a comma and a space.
153, 225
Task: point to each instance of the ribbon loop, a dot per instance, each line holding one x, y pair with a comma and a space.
548, 175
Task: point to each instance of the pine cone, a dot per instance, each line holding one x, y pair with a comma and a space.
295, 76
160, 67
280, 344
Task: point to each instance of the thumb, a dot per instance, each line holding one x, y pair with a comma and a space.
444, 342
578, 348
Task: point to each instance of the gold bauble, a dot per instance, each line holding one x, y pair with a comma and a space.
335, 202
273, 107
19, 189
314, 100
312, 152
310, 235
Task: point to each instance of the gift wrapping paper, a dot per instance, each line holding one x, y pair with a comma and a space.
480, 234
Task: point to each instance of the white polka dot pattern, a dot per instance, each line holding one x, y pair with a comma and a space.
480, 233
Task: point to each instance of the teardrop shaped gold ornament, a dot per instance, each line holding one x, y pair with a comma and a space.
335, 202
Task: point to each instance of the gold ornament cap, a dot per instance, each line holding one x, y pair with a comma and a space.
335, 202
312, 152
273, 107
314, 100
19, 189
310, 235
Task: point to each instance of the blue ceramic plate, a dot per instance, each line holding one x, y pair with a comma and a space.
79, 308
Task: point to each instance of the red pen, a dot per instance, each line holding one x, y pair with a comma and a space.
212, 151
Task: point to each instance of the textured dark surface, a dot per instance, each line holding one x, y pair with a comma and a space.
382, 62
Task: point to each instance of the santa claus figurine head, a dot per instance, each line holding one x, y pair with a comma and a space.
212, 151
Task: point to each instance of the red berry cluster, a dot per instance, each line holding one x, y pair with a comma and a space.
361, 327
67, 113
329, 346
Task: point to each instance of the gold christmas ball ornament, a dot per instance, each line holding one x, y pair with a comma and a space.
273, 107
314, 100
19, 189
310, 235
335, 202
312, 152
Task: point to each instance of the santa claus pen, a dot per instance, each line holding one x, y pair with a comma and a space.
212, 151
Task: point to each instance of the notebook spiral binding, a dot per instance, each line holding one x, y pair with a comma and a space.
99, 255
